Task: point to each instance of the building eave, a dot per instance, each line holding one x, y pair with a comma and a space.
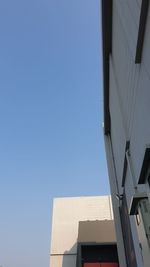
106, 47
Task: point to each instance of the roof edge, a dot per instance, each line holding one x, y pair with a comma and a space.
106, 47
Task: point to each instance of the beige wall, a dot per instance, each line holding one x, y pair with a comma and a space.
65, 261
67, 212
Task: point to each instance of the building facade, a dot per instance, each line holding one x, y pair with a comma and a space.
126, 81
83, 233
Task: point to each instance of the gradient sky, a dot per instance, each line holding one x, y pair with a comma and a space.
51, 113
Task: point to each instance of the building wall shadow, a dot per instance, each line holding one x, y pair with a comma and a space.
70, 256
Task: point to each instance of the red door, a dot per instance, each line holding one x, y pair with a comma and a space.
97, 264
109, 264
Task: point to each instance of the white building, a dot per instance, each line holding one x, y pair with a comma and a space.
83, 233
126, 65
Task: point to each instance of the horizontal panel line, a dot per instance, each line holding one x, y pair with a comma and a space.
64, 254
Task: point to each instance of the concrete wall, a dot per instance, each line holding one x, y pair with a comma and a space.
97, 231
67, 212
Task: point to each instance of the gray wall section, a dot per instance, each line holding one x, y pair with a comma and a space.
115, 201
129, 191
129, 104
125, 71
140, 135
117, 128
129, 15
129, 85
129, 88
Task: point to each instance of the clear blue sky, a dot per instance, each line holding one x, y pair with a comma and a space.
51, 113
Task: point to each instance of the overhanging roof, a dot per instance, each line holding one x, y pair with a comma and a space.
99, 231
107, 44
